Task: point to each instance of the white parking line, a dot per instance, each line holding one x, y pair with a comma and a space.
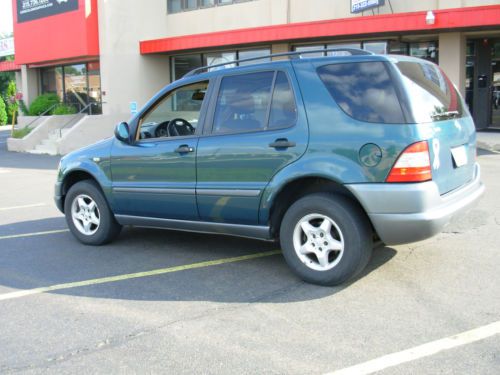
33, 234
23, 206
421, 351
136, 275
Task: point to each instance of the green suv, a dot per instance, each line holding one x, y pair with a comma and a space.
326, 155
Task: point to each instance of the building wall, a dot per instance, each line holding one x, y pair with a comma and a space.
127, 76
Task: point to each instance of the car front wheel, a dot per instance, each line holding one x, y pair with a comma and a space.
326, 239
88, 215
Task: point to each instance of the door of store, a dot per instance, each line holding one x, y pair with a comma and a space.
495, 74
483, 82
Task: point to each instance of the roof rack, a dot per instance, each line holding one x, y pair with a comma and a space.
294, 54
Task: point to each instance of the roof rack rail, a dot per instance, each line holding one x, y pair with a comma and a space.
294, 54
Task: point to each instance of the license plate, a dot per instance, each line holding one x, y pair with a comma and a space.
459, 156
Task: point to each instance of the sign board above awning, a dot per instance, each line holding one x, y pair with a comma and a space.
358, 6
7, 46
29, 10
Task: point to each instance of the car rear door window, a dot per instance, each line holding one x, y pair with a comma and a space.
243, 103
364, 91
283, 107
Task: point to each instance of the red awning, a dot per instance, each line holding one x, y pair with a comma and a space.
446, 19
9, 66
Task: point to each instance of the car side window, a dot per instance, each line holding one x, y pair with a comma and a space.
243, 103
177, 114
364, 91
283, 107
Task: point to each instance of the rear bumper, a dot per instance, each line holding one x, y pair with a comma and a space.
403, 213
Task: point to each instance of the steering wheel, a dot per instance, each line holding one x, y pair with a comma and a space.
179, 127
162, 129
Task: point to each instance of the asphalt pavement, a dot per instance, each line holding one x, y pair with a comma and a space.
159, 301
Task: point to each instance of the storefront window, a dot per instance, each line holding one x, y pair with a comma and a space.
251, 53
216, 58
398, 48
183, 64
380, 48
311, 48
341, 45
176, 6
426, 50
77, 85
52, 81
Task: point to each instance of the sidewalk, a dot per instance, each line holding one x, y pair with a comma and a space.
489, 139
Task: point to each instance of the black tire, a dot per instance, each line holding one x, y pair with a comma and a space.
355, 234
99, 234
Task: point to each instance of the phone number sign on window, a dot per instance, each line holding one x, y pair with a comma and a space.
29, 10
361, 5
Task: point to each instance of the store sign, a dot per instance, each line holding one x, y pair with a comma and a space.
29, 10
7, 46
358, 6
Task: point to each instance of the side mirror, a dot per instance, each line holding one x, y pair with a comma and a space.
122, 132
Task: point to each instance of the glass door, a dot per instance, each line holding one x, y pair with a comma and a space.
495, 85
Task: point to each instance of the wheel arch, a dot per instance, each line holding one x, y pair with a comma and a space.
299, 187
74, 176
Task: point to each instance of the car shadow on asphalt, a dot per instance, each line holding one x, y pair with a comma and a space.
46, 260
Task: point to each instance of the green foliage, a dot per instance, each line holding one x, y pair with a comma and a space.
21, 133
11, 101
5, 78
23, 108
3, 113
63, 109
43, 103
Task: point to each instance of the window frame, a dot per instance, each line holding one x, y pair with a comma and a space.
210, 119
159, 100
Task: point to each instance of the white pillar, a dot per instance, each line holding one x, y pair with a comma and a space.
452, 56
29, 83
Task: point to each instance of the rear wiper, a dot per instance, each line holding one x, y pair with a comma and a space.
445, 115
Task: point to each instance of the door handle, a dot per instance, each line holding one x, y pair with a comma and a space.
184, 149
282, 143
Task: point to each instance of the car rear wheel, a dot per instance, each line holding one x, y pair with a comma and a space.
88, 215
326, 239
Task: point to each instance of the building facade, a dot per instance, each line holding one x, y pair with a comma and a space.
113, 55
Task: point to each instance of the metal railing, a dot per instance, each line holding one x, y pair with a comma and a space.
88, 106
42, 114
296, 54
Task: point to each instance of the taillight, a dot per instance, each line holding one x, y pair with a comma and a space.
413, 165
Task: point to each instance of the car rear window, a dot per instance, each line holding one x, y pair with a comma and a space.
364, 91
431, 94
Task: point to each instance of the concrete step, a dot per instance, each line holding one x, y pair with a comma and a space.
58, 134
44, 149
49, 142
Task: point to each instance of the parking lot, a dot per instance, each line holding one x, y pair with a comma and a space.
173, 302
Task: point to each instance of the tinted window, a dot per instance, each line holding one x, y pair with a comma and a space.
363, 90
283, 108
243, 102
432, 96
